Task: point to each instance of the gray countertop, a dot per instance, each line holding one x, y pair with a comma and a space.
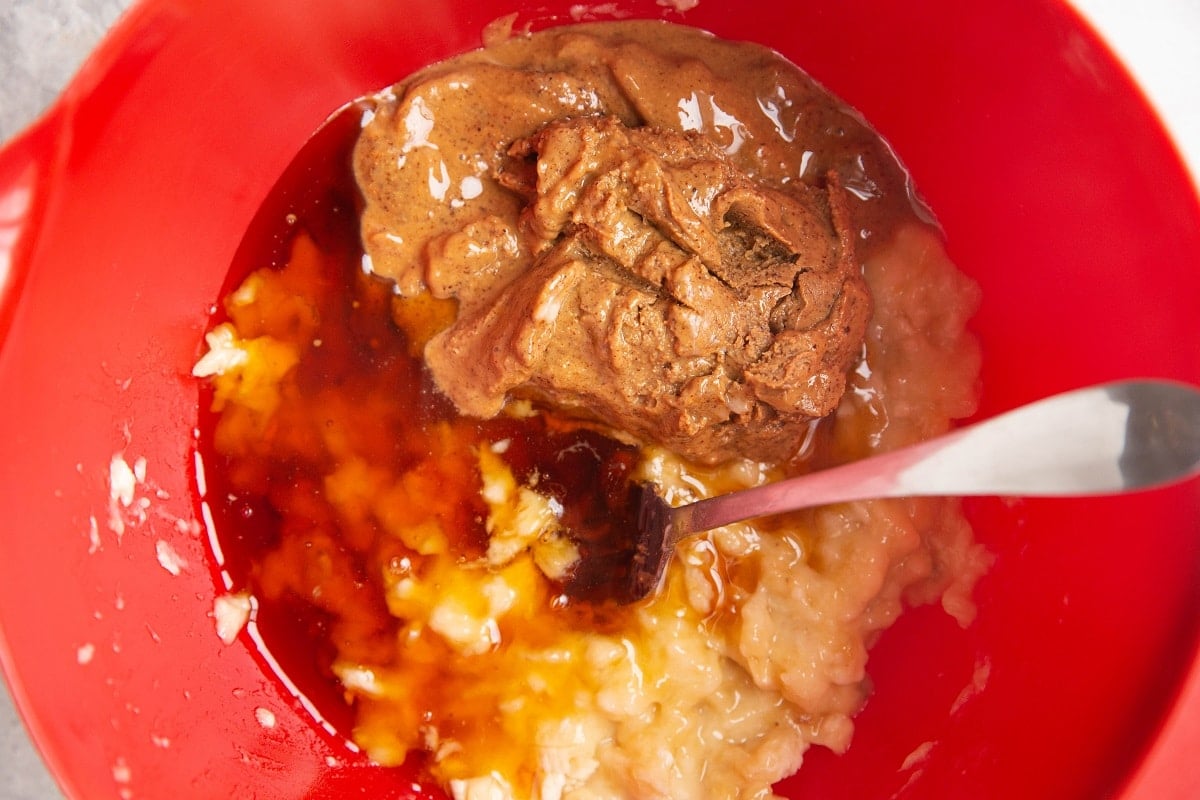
43, 42
22, 775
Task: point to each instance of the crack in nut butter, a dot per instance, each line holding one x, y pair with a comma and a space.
639, 225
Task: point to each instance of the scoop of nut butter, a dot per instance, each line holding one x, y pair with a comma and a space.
689, 280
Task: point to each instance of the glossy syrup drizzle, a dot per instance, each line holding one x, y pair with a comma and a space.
317, 577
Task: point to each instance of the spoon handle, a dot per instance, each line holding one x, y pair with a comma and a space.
1106, 439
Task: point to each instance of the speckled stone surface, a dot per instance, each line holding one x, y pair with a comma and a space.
22, 774
42, 44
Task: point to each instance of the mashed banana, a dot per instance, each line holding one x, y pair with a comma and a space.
432, 546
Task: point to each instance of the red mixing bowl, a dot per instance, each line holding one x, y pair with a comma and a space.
121, 211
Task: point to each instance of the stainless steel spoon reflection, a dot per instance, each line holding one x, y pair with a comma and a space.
1108, 439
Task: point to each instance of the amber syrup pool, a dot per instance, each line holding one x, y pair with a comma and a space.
315, 581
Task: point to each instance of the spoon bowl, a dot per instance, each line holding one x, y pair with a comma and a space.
1110, 439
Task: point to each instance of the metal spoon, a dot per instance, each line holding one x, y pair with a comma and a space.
1108, 439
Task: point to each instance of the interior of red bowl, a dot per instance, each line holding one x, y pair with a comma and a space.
1057, 190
